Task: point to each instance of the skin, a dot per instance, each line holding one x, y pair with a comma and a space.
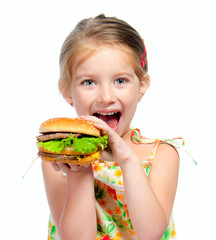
112, 87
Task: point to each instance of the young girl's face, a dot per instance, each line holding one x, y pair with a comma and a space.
105, 85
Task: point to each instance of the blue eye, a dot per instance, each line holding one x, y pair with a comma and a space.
120, 81
88, 82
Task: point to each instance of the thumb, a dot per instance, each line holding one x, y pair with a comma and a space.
106, 155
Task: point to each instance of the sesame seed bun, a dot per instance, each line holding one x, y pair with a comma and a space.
75, 125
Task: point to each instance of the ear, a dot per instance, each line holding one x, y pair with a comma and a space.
67, 96
144, 85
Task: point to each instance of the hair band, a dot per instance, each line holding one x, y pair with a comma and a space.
143, 62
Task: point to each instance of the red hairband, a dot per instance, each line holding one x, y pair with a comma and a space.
143, 62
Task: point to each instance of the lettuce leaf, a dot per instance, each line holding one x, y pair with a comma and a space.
82, 145
89, 145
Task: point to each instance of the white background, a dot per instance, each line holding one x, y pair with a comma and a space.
180, 40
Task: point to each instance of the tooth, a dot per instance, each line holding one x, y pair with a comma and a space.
109, 113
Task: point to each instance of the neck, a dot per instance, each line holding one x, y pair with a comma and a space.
127, 135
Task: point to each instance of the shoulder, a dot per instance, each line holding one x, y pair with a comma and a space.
166, 154
167, 150
166, 160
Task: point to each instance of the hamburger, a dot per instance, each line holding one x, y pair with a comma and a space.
70, 140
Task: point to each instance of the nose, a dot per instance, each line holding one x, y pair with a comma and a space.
106, 95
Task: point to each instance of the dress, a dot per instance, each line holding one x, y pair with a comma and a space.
113, 222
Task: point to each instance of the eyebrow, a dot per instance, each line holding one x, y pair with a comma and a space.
84, 76
93, 76
123, 73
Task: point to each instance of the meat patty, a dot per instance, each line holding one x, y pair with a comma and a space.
50, 136
58, 156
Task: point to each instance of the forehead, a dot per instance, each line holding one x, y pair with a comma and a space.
105, 62
123, 53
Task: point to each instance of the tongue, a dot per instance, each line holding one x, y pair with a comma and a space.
111, 120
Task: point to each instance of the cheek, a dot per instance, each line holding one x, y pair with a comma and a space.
130, 102
81, 103
131, 98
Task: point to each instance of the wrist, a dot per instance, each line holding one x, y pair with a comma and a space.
130, 162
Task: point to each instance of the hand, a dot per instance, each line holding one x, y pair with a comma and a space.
117, 151
65, 167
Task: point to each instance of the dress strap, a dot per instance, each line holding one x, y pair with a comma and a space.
178, 142
154, 150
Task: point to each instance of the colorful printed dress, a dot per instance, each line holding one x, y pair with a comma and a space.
113, 222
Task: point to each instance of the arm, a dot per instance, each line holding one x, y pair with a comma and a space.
149, 200
154, 196
72, 203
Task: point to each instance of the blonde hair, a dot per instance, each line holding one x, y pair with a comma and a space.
91, 33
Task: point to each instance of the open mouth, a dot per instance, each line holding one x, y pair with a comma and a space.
111, 118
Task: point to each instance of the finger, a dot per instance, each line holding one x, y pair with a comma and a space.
64, 167
89, 118
98, 123
105, 129
113, 137
79, 165
55, 166
92, 119
106, 156
103, 132
76, 168
86, 165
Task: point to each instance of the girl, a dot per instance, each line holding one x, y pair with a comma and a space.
103, 74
